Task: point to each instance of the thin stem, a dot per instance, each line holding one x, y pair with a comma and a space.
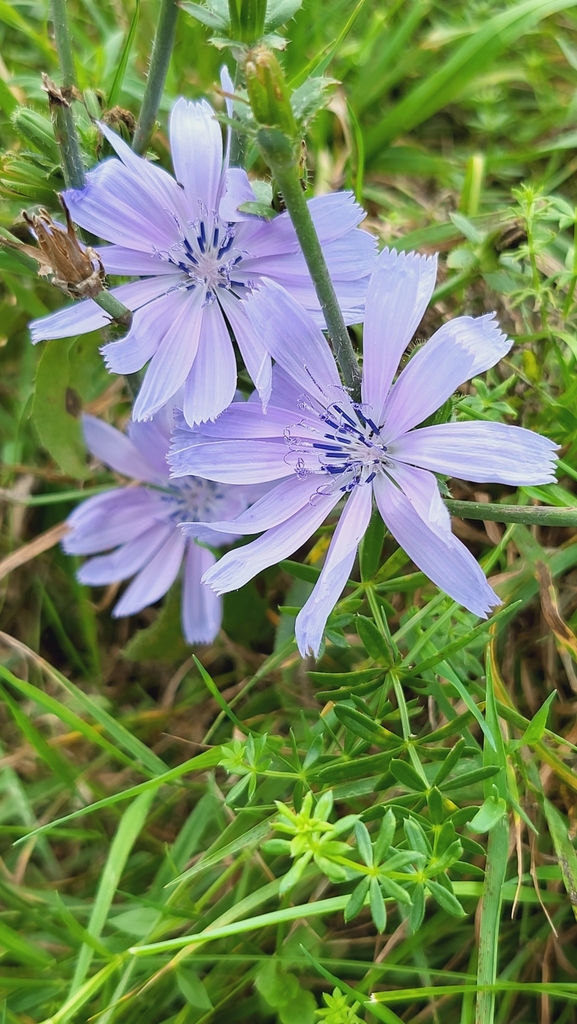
64, 127
280, 156
238, 140
159, 62
532, 515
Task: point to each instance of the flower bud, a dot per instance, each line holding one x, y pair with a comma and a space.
36, 129
268, 91
247, 19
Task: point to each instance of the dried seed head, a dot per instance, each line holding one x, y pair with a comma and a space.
76, 269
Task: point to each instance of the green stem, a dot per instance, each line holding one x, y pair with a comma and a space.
63, 42
280, 156
64, 127
532, 515
159, 61
238, 140
495, 870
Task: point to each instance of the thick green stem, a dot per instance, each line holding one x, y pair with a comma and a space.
159, 61
63, 43
280, 155
532, 515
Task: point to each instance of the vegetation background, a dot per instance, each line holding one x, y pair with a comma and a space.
137, 783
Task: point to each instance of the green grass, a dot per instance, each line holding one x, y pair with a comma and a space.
144, 876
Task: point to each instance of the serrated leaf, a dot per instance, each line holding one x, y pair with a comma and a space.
206, 17
278, 12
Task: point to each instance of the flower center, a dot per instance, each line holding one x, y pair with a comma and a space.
193, 500
205, 254
349, 449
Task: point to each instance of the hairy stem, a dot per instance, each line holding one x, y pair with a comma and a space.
280, 156
159, 61
532, 515
63, 42
238, 140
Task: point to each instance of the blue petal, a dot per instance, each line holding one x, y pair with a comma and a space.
126, 560
211, 383
201, 608
196, 147
483, 452
172, 362
399, 293
447, 563
155, 579
239, 566
311, 620
118, 452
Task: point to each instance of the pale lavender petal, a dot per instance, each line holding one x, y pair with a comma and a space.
247, 419
229, 462
255, 356
155, 579
126, 560
273, 508
201, 608
333, 215
227, 86
152, 442
348, 259
196, 147
457, 350
312, 618
119, 259
239, 566
449, 565
115, 450
107, 520
174, 357
238, 190
483, 452
293, 340
400, 289
422, 490
211, 383
161, 186
121, 206
87, 316
150, 324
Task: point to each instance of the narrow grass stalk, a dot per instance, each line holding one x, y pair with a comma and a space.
495, 869
159, 62
279, 154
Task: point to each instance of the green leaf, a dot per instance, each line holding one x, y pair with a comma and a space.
278, 12
490, 812
373, 641
357, 899
564, 849
445, 899
377, 905
207, 17
193, 989
371, 547
407, 775
58, 430
363, 726
364, 843
123, 63
417, 911
471, 778
534, 732
385, 836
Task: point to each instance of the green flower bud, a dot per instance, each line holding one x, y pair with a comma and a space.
268, 91
36, 129
247, 19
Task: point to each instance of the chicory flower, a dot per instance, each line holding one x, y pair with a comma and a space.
140, 523
324, 448
197, 257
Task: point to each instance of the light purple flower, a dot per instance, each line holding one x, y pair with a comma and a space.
197, 257
141, 525
334, 448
